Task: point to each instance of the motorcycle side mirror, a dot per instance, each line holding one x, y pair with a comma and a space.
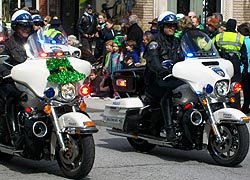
76, 54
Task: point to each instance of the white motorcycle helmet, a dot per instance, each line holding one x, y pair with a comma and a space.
167, 17
22, 18
37, 20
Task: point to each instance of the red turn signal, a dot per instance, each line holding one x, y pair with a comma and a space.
84, 90
236, 87
43, 55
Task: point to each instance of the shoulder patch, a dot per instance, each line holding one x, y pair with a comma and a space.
153, 45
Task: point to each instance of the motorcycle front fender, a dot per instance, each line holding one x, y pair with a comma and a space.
230, 115
76, 123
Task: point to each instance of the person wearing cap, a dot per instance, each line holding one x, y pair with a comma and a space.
222, 26
54, 32
153, 28
124, 25
230, 46
211, 27
87, 24
165, 47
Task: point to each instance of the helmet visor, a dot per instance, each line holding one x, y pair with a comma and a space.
24, 24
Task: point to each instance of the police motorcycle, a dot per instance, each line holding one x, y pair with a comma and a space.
201, 112
50, 113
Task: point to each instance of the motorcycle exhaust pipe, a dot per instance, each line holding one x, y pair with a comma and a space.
196, 117
39, 129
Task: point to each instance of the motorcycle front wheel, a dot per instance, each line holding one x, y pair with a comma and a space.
78, 160
141, 145
234, 148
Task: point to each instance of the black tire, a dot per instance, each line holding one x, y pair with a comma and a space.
235, 147
5, 157
79, 160
141, 145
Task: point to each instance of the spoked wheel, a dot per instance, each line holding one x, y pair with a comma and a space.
141, 145
78, 160
234, 148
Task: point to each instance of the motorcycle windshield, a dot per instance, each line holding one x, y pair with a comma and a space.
196, 44
46, 43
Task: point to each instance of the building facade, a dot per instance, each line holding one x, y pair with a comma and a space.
70, 10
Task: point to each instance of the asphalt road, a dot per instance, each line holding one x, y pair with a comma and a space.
116, 159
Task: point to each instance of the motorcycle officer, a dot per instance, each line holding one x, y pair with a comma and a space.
21, 24
165, 47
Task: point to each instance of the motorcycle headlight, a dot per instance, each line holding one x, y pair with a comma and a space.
68, 91
221, 88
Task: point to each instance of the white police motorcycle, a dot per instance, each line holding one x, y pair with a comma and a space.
50, 113
201, 112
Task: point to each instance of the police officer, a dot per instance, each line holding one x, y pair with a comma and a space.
21, 24
165, 47
55, 31
38, 22
230, 45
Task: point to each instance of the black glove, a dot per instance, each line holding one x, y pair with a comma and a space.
164, 72
244, 73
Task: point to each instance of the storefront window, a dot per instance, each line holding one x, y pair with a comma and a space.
54, 8
8, 6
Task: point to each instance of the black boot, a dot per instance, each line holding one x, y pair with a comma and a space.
16, 137
168, 124
3, 129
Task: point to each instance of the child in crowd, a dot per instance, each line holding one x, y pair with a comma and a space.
106, 59
131, 58
116, 57
106, 84
96, 85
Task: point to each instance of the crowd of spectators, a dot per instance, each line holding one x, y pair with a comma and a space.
127, 52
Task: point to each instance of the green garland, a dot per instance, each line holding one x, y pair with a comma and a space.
62, 72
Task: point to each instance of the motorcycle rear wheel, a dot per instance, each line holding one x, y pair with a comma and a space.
78, 161
233, 150
141, 145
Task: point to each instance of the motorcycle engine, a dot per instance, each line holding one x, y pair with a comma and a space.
34, 129
183, 95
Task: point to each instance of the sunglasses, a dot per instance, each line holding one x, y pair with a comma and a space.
171, 25
37, 23
45, 20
